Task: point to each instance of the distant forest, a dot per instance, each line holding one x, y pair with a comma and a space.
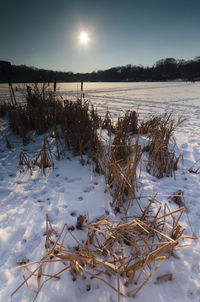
163, 70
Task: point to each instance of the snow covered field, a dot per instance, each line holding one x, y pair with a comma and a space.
72, 189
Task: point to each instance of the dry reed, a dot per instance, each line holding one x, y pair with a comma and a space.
195, 167
130, 252
42, 159
162, 160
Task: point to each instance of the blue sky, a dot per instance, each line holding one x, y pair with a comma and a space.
44, 33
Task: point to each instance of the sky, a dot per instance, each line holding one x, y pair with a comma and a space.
45, 33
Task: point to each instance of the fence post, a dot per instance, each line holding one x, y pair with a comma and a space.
82, 93
12, 93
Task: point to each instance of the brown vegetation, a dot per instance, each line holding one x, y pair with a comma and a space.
162, 160
131, 252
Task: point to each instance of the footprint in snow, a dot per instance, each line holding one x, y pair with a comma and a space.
88, 189
196, 269
61, 190
184, 146
190, 294
71, 180
65, 206
56, 211
73, 214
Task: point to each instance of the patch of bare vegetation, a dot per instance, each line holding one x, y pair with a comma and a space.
195, 167
178, 198
162, 159
128, 124
119, 164
107, 123
42, 159
130, 252
4, 108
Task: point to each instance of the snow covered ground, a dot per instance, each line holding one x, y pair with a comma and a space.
72, 189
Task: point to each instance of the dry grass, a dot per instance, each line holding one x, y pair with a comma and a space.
25, 161
121, 177
195, 167
162, 160
40, 94
178, 198
79, 125
130, 252
42, 159
128, 124
121, 146
107, 123
119, 163
77, 121
4, 108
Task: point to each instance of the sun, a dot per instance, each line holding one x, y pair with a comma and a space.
84, 38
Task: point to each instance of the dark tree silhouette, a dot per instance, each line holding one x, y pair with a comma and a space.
162, 70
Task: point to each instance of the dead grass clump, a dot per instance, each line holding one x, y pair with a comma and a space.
4, 108
36, 115
163, 278
78, 122
79, 125
178, 198
121, 147
25, 160
39, 94
150, 125
195, 167
128, 252
162, 159
128, 125
43, 158
121, 174
107, 123
23, 119
18, 120
96, 119
80, 221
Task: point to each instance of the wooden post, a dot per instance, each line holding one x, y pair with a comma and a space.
54, 86
12, 93
82, 90
6, 72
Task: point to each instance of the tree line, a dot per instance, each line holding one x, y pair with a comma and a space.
163, 70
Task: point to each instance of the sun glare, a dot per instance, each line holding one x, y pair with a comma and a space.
83, 37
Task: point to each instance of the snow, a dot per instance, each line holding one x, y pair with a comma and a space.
72, 189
